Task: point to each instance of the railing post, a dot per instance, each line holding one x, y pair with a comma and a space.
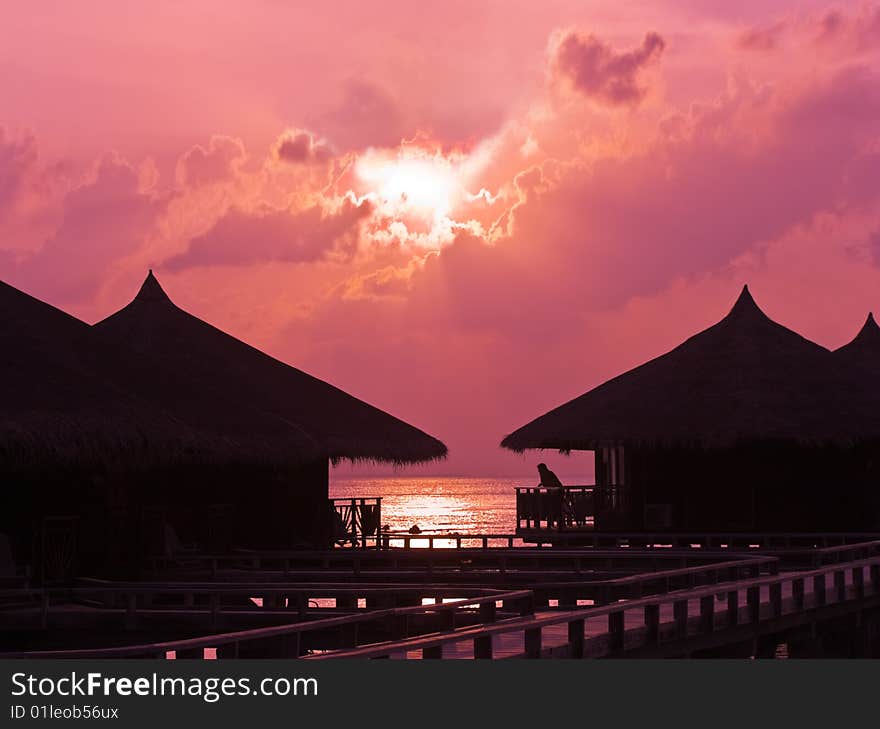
707, 613
652, 623
875, 576
616, 627
527, 605
797, 593
576, 638
680, 615
532, 641
487, 612
753, 601
483, 647
432, 652
858, 578
839, 585
732, 608
776, 599
819, 589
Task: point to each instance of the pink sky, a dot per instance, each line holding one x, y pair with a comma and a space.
466, 212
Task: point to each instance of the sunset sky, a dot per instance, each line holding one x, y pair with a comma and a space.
465, 213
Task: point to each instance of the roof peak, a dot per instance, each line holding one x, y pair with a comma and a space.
151, 290
745, 304
869, 330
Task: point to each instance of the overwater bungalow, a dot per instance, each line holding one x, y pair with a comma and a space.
745, 426
92, 435
294, 509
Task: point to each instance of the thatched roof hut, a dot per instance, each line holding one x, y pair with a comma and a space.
864, 350
746, 378
66, 398
342, 426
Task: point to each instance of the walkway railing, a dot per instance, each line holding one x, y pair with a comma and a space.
286, 640
648, 610
571, 507
451, 564
642, 540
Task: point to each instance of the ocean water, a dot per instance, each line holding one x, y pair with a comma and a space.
467, 505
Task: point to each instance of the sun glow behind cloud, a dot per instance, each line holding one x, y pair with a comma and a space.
423, 192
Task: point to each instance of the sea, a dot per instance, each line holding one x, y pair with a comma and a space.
463, 504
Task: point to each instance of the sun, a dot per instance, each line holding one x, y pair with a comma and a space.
425, 185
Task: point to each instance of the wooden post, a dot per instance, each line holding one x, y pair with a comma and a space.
819, 589
753, 601
652, 623
858, 578
576, 638
875, 576
487, 612
527, 605
616, 626
776, 599
797, 593
732, 608
680, 615
840, 585
707, 614
532, 640
483, 647
432, 652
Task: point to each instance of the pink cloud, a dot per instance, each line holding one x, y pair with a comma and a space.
221, 160
763, 38
267, 234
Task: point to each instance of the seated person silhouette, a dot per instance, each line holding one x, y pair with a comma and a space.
549, 480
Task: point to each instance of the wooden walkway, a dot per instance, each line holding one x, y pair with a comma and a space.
668, 603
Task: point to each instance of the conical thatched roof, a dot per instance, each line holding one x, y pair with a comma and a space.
745, 378
55, 407
864, 350
66, 397
342, 426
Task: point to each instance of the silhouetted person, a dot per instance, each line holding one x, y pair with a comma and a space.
549, 480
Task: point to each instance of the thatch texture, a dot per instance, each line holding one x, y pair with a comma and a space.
342, 426
744, 379
67, 398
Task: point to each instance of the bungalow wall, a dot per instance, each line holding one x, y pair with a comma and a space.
114, 519
752, 487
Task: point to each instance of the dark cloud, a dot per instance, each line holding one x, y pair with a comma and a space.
600, 73
301, 147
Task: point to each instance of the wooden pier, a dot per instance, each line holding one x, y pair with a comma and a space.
632, 600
